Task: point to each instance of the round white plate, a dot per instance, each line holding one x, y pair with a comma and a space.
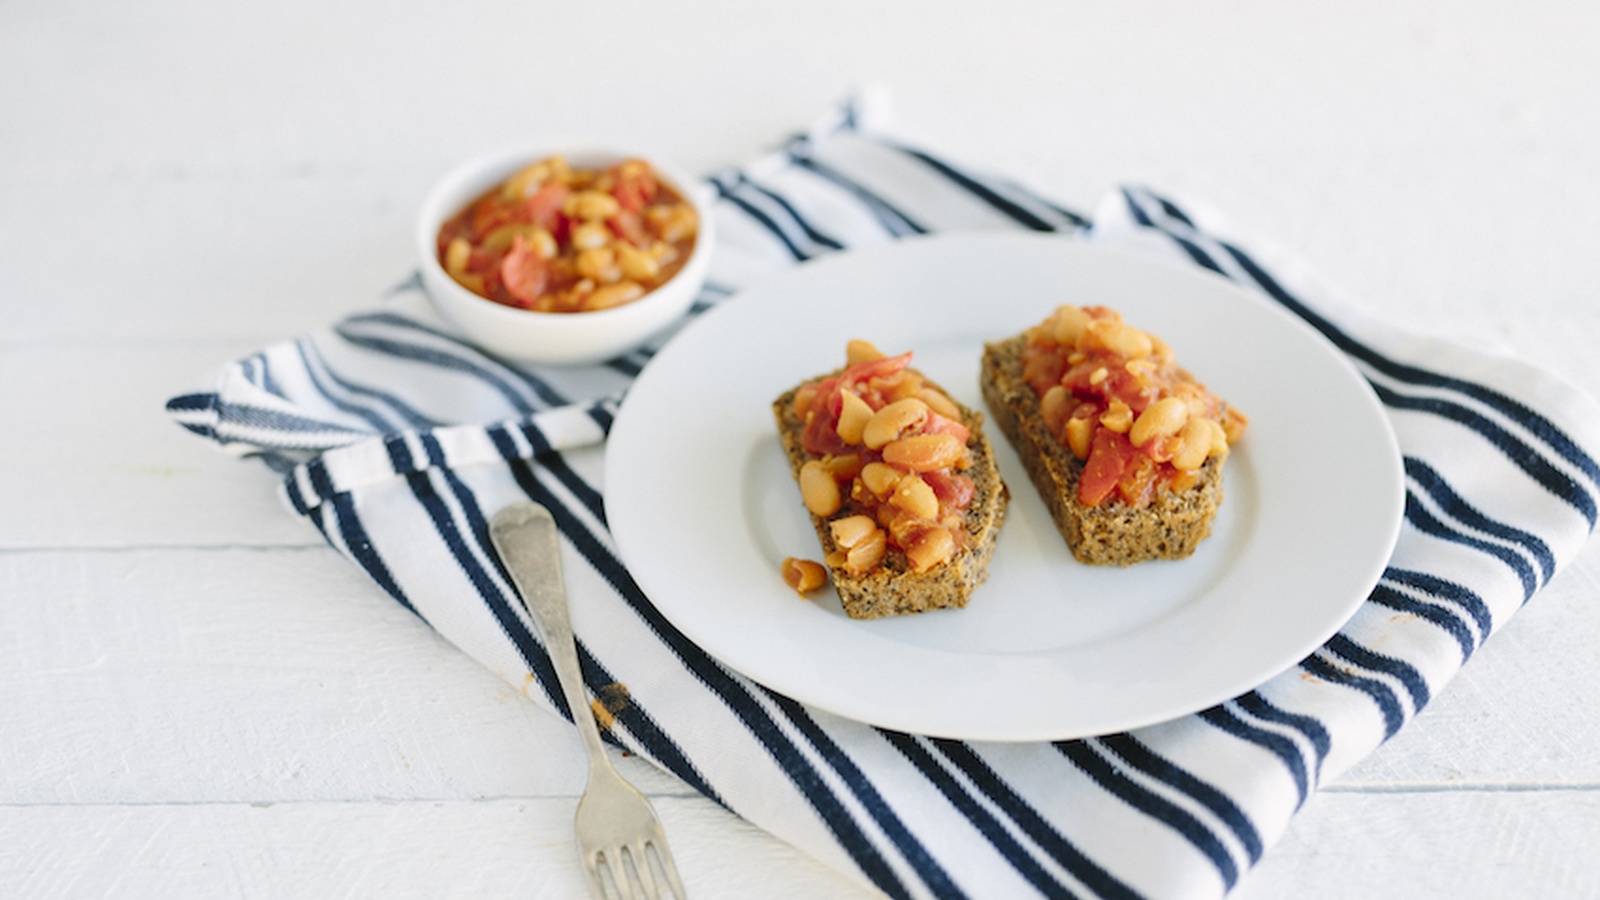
703, 508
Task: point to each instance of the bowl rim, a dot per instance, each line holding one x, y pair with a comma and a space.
478, 173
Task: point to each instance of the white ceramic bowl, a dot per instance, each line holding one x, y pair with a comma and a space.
555, 338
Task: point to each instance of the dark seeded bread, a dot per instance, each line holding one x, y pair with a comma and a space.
893, 589
1113, 533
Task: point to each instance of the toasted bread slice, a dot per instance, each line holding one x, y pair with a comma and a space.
1171, 526
893, 588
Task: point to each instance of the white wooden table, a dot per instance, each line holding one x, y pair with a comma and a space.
198, 699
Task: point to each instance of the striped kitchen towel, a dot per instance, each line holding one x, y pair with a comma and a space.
398, 441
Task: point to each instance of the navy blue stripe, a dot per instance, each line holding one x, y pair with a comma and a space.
1515, 449
595, 675
1446, 620
247, 369
412, 282
399, 454
736, 697
488, 592
1426, 522
1457, 594
1199, 256
861, 786
269, 382
893, 220
1519, 452
1172, 210
766, 221
850, 120
321, 483
364, 552
1381, 695
663, 748
546, 393
1284, 748
1315, 733
276, 420
432, 357
405, 411
554, 463
1459, 509
194, 404
811, 231
205, 431
378, 423
603, 416
1134, 753
293, 494
970, 809
1348, 650
1004, 205
586, 494
435, 454
1256, 704
1020, 811
1540, 426
627, 365
1103, 773
191, 402
1077, 219
738, 701
536, 439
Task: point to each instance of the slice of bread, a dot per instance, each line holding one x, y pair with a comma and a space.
893, 588
1171, 526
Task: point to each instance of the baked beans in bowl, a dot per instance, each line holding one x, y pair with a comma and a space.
563, 257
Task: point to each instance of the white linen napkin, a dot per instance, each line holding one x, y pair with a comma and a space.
398, 441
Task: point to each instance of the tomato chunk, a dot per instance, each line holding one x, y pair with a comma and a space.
544, 205
1109, 455
937, 424
875, 368
524, 272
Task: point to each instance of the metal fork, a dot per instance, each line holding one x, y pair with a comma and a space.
616, 827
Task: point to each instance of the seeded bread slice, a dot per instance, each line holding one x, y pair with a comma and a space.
1113, 533
893, 589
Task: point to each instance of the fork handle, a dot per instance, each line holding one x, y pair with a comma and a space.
525, 536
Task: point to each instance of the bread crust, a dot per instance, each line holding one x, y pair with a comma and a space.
1171, 526
893, 589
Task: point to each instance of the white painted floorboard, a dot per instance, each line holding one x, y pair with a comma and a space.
199, 699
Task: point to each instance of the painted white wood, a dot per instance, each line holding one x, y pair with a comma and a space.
1430, 845
102, 465
511, 847
197, 698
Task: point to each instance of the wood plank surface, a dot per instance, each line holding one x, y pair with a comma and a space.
198, 698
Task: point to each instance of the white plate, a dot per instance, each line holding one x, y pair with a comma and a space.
703, 507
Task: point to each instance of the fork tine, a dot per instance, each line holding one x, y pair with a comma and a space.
591, 873
616, 863
648, 882
664, 857
641, 870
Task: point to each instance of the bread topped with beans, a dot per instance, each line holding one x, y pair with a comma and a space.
1125, 448
900, 483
